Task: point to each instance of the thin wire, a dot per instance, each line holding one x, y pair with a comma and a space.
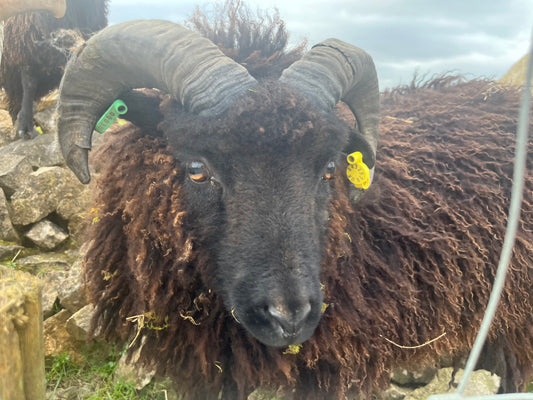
512, 226
457, 396
507, 250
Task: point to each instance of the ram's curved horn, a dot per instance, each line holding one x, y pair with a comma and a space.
142, 54
334, 70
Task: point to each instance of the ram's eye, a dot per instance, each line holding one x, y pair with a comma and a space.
330, 171
198, 172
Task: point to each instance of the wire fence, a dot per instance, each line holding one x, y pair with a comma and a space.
519, 173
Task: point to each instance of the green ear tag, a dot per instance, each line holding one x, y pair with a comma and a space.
357, 171
117, 108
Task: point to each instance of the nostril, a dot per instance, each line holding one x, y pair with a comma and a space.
289, 320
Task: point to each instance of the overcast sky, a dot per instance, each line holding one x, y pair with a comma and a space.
472, 37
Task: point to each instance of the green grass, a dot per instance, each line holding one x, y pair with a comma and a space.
96, 374
60, 368
94, 377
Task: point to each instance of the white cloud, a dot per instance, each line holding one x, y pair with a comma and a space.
476, 37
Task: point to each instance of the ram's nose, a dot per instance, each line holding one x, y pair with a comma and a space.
289, 319
281, 316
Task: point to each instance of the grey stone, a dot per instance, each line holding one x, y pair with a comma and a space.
132, 371
75, 392
79, 323
265, 393
43, 151
481, 383
74, 202
46, 120
52, 281
58, 341
9, 250
7, 231
68, 197
42, 194
71, 292
46, 235
62, 280
74, 206
6, 128
404, 377
52, 268
394, 392
40, 264
14, 170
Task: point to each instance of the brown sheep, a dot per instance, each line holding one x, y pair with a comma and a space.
32, 64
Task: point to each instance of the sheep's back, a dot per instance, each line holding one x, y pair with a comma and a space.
417, 257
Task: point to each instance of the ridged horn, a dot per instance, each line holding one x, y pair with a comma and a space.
142, 54
334, 70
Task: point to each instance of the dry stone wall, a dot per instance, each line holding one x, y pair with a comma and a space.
43, 212
42, 204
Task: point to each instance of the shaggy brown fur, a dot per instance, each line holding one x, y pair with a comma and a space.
256, 40
28, 45
415, 258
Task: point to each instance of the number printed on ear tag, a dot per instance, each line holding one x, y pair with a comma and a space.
117, 108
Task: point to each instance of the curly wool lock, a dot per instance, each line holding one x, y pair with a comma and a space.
414, 258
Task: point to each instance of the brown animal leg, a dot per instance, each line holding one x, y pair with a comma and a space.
499, 358
24, 124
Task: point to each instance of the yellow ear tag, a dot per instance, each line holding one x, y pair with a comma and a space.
357, 171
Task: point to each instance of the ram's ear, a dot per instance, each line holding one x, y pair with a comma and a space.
359, 143
143, 109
